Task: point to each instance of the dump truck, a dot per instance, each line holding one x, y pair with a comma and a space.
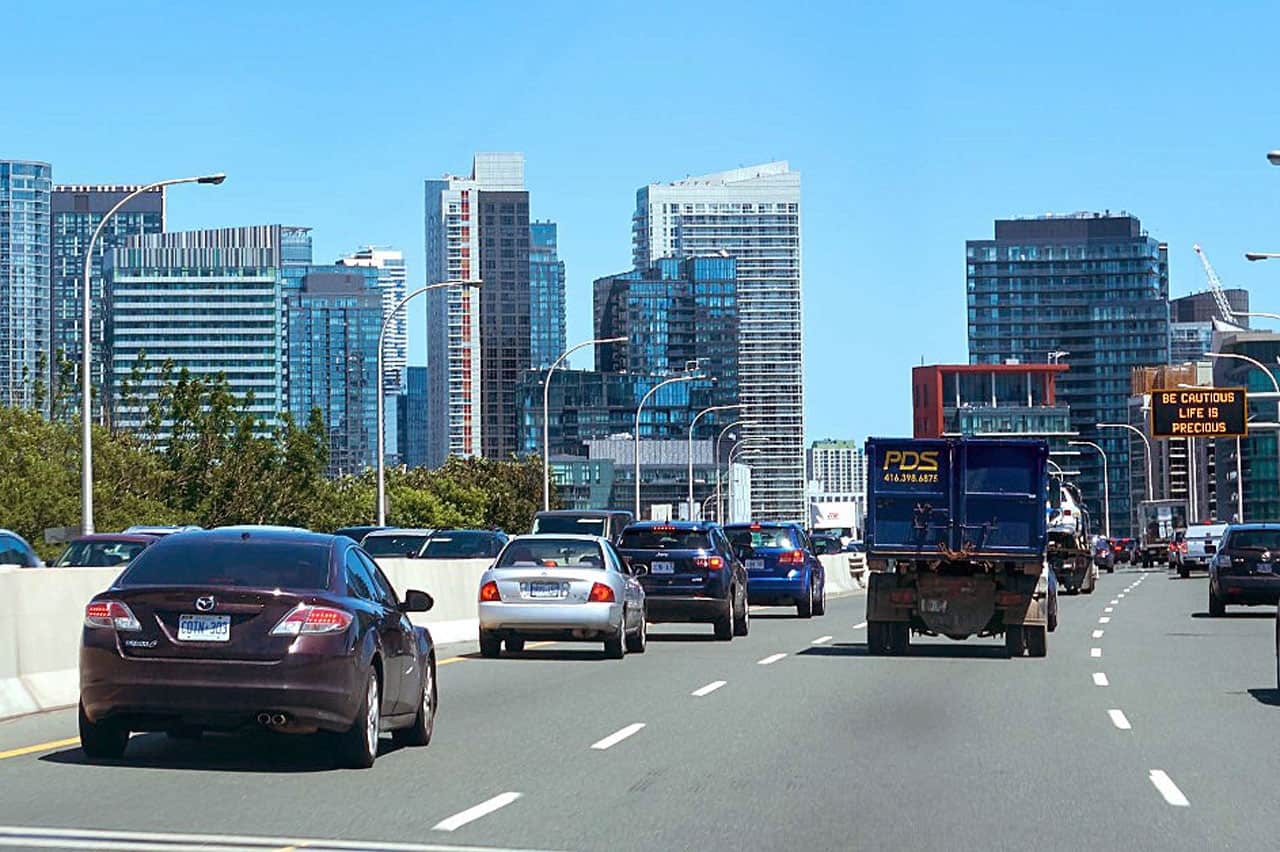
956, 542
1070, 546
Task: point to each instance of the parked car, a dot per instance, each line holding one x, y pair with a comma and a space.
233, 629
603, 522
566, 587
690, 574
782, 567
464, 544
162, 529
1198, 547
1103, 555
1245, 569
357, 533
395, 542
14, 550
103, 550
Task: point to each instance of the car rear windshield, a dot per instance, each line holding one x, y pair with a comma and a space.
461, 545
571, 524
1253, 540
664, 538
766, 537
552, 553
393, 545
99, 554
257, 564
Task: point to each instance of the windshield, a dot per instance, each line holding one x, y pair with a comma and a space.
572, 524
552, 553
764, 537
258, 564
407, 544
665, 538
462, 545
1253, 540
99, 554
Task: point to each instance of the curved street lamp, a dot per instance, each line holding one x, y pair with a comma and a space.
693, 377
1106, 487
382, 335
748, 444
1145, 440
546, 403
692, 423
720, 502
86, 353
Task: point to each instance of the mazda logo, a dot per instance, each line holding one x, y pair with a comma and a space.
206, 603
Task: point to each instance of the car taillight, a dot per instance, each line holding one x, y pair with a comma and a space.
600, 593
489, 592
310, 620
792, 557
711, 563
110, 614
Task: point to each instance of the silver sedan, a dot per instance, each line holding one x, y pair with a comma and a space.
573, 587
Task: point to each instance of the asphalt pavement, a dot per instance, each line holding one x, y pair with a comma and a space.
1150, 730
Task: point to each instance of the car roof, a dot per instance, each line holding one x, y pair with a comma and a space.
584, 513
287, 535
1256, 526
761, 524
456, 530
570, 536
140, 538
400, 531
675, 525
14, 534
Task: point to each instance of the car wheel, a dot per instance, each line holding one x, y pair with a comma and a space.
1184, 572
419, 733
742, 618
1089, 585
1111, 569
515, 644
358, 745
1015, 642
804, 607
490, 645
1216, 607
1037, 640
820, 602
614, 647
638, 641
724, 624
104, 739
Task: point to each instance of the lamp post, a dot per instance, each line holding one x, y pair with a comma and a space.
1262, 314
744, 444
1275, 386
1273, 157
1261, 255
720, 502
693, 377
546, 404
86, 348
1106, 487
692, 423
382, 335
1145, 440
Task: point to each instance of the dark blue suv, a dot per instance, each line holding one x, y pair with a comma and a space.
689, 573
781, 566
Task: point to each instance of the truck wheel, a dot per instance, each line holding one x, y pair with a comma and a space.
876, 644
1037, 640
899, 637
1014, 641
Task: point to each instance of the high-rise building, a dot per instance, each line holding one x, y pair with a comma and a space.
1258, 463
76, 212
333, 322
392, 280
984, 400
751, 214
477, 228
1193, 319
26, 188
413, 418
837, 485
546, 296
208, 301
1090, 289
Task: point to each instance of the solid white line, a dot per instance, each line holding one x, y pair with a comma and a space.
1100, 679
1168, 789
772, 658
1106, 619
708, 689
1097, 634
821, 640
860, 625
614, 739
458, 820
1118, 719
1095, 652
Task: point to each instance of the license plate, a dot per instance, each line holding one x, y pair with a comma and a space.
545, 590
755, 564
1264, 567
204, 628
664, 567
938, 605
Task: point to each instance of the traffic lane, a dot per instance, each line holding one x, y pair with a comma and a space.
1199, 694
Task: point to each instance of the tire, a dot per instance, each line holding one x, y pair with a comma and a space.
1037, 640
638, 641
899, 637
102, 740
1111, 569
490, 645
875, 638
820, 602
724, 624
1217, 608
1015, 642
1089, 585
1053, 619
742, 618
515, 644
615, 648
1184, 572
419, 733
804, 608
358, 745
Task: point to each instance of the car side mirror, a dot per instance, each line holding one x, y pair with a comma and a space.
416, 601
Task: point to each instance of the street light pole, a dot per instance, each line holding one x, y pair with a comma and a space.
546, 404
1135, 430
639, 408
719, 501
692, 423
86, 345
382, 335
749, 444
1106, 487
1274, 384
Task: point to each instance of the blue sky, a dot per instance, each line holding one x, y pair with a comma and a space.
914, 126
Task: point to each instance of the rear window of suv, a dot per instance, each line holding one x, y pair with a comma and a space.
254, 564
767, 537
658, 538
568, 524
1253, 540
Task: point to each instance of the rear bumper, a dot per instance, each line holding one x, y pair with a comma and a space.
1250, 591
602, 619
685, 608
155, 694
764, 590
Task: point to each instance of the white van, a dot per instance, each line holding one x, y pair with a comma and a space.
1198, 547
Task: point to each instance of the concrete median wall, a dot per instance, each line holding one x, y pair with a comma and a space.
840, 580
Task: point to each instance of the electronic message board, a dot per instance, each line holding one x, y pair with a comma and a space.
1199, 413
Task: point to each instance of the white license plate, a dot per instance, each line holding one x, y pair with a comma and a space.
938, 605
664, 567
755, 564
204, 628
545, 590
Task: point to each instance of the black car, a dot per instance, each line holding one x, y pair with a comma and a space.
357, 534
689, 574
1246, 567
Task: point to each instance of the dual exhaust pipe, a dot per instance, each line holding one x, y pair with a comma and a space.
272, 720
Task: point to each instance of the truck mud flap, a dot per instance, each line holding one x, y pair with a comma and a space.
879, 606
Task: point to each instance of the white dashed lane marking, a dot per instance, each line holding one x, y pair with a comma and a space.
1095, 652
1118, 719
1168, 789
822, 640
1097, 634
617, 737
1100, 679
458, 820
708, 689
772, 658
1106, 619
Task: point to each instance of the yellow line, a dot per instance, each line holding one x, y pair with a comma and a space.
49, 746
449, 660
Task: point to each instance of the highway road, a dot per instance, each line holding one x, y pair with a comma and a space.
1149, 726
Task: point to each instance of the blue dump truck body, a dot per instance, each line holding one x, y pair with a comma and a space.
956, 541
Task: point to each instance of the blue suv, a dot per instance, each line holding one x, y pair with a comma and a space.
781, 566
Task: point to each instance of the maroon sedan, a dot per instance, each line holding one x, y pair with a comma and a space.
253, 627
104, 550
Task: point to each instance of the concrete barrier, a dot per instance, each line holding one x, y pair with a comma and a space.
840, 581
455, 586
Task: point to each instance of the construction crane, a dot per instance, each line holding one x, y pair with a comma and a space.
1215, 285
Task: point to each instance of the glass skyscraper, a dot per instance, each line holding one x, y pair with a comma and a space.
546, 296
25, 200
413, 418
391, 278
1094, 286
